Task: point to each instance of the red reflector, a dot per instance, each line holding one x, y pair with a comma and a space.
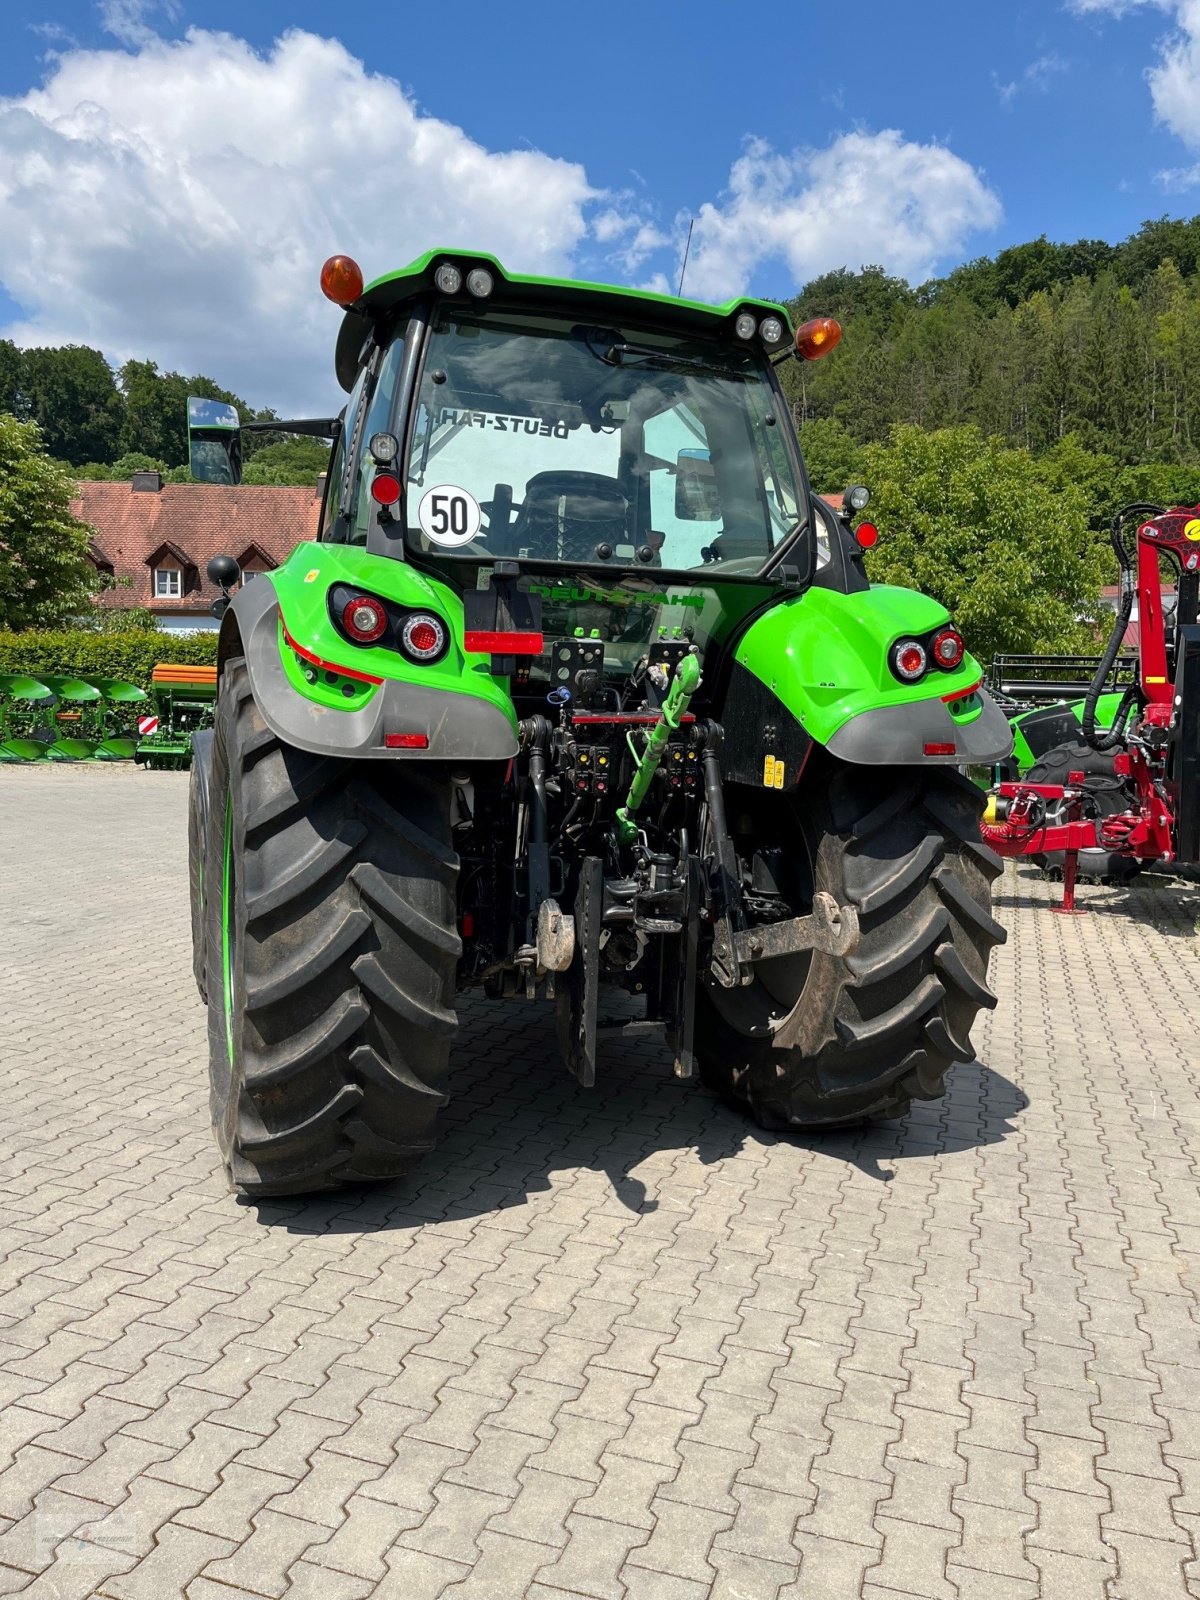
867, 535
503, 644
468, 925
385, 489
319, 661
940, 749
961, 694
406, 741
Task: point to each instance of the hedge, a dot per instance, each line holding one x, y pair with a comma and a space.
78, 653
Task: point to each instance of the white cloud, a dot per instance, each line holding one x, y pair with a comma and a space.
1036, 78
1113, 8
177, 202
129, 20
173, 200
1174, 79
867, 197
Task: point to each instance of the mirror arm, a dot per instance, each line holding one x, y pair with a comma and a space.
314, 427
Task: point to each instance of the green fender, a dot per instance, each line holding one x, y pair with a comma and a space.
824, 657
320, 693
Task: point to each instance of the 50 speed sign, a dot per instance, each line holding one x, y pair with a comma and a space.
448, 515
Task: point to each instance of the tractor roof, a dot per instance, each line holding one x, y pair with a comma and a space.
384, 294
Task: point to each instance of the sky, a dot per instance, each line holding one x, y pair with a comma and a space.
174, 172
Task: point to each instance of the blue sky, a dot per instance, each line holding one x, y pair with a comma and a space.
165, 182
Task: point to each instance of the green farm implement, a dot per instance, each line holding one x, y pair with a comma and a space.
56, 718
183, 705
579, 693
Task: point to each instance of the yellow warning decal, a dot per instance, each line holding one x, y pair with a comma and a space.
1191, 530
1156, 680
779, 771
768, 772
312, 575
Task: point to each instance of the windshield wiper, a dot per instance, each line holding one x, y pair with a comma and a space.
615, 352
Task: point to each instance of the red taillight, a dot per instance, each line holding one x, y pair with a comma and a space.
385, 488
406, 741
867, 534
364, 619
423, 637
503, 644
948, 648
909, 660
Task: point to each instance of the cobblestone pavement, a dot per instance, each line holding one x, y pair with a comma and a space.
611, 1344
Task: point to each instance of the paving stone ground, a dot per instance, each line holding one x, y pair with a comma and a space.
616, 1344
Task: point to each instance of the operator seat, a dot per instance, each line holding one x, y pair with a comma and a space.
565, 515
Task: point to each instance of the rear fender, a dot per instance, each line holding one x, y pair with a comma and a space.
815, 670
320, 693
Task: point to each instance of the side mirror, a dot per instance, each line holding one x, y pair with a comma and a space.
696, 498
214, 442
223, 571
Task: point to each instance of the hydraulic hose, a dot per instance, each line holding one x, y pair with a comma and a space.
1109, 738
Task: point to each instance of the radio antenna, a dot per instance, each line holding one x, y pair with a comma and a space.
687, 247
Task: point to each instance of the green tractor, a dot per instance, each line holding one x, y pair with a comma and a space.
580, 696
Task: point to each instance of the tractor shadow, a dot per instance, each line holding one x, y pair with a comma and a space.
517, 1119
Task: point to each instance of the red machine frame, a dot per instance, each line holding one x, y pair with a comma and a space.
1016, 823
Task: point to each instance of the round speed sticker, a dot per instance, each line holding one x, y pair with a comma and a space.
449, 515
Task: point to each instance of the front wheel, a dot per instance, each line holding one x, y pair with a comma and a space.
330, 948
818, 1040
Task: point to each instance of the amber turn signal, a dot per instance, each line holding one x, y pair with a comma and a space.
817, 337
341, 280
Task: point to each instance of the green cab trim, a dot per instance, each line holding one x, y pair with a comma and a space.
825, 656
384, 294
302, 588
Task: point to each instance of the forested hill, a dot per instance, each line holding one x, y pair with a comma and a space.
1095, 340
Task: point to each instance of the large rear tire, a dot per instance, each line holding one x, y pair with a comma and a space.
330, 950
820, 1040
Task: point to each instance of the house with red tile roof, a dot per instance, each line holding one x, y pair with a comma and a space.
155, 539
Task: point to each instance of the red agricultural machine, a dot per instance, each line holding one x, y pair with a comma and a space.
1131, 795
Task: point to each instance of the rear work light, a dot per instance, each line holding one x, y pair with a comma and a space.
423, 637
909, 660
948, 649
364, 619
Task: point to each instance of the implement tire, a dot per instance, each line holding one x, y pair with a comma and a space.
820, 1041
1106, 798
330, 978
198, 785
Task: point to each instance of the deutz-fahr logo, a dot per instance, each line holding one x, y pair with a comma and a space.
613, 597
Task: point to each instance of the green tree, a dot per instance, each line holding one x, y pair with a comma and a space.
10, 378
975, 524
44, 571
830, 454
70, 392
295, 459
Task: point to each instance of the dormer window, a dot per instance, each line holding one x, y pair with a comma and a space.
168, 583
